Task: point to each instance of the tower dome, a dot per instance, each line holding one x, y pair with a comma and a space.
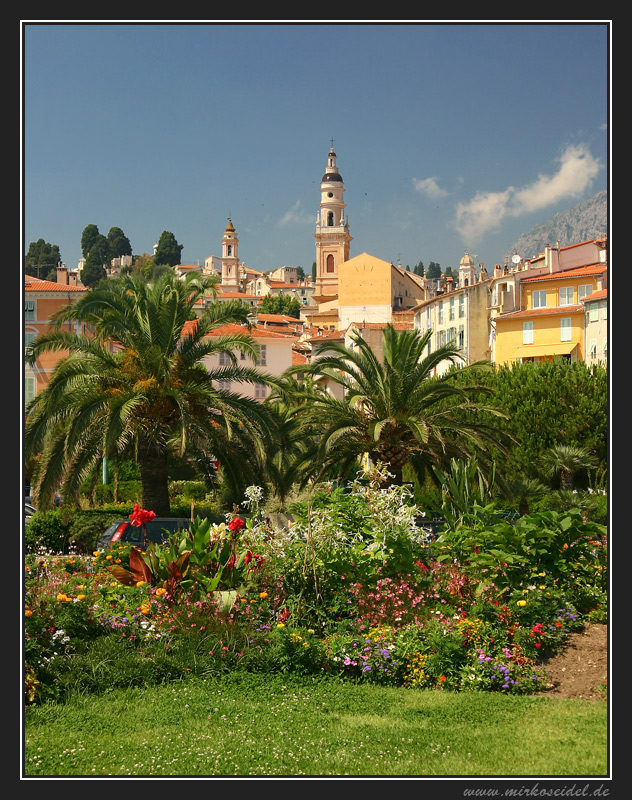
466, 261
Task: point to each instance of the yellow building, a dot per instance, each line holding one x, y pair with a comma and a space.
549, 318
372, 290
459, 313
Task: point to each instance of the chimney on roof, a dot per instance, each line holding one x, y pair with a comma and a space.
62, 274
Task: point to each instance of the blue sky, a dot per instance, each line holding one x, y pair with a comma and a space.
449, 137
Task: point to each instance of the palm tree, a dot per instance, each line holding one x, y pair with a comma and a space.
566, 461
524, 491
290, 441
393, 409
138, 385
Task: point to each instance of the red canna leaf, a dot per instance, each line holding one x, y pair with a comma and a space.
138, 566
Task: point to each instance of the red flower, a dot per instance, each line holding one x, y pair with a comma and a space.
236, 524
140, 516
248, 557
442, 678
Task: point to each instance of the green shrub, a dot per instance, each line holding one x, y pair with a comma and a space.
47, 531
84, 530
192, 490
127, 492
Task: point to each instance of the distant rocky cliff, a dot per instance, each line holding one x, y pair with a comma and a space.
585, 221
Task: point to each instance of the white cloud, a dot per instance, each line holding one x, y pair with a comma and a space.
487, 210
295, 214
429, 187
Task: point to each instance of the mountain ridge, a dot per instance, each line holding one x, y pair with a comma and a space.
585, 221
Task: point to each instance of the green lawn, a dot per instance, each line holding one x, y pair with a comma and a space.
250, 725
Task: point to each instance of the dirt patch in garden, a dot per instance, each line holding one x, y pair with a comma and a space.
581, 667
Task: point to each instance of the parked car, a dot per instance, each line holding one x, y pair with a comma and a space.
29, 510
158, 531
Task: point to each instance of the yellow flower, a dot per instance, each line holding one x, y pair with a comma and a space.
160, 591
522, 602
140, 583
310, 630
145, 608
108, 558
117, 560
95, 553
263, 595
28, 612
81, 597
542, 574
280, 625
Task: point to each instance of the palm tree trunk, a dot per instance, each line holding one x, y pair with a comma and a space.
397, 477
154, 478
566, 479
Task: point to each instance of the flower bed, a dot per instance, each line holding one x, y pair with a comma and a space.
354, 596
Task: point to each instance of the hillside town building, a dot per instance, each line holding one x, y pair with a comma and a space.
551, 306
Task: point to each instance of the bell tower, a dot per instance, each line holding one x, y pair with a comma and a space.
230, 258
332, 232
466, 270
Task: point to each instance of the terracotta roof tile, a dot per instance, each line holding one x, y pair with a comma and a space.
541, 312
376, 326
600, 294
232, 328
32, 284
575, 272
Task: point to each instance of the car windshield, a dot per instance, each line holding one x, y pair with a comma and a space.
158, 530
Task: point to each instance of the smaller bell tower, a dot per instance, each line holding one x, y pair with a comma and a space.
230, 258
467, 275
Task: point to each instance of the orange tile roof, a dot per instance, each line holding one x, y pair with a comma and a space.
282, 285
232, 328
600, 294
326, 335
575, 272
32, 284
278, 318
236, 293
298, 358
376, 326
541, 312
